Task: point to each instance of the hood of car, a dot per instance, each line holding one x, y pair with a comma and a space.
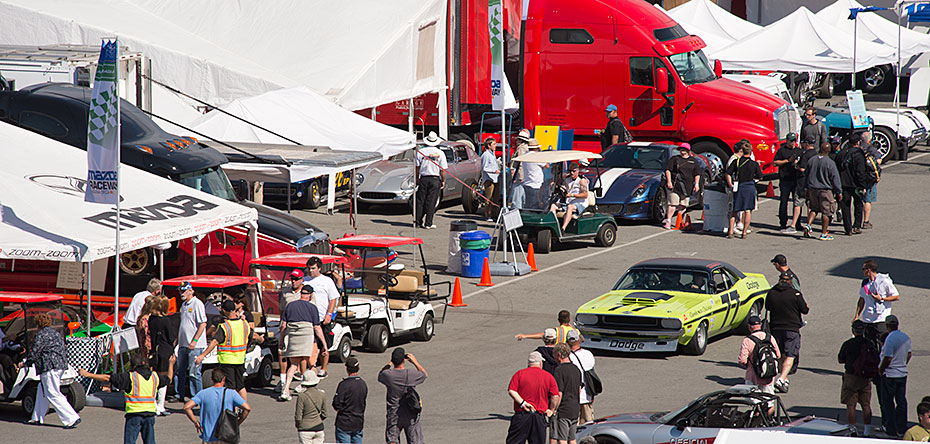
642, 303
620, 183
386, 175
627, 418
818, 426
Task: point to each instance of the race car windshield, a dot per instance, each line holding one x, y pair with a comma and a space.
641, 157
692, 67
663, 280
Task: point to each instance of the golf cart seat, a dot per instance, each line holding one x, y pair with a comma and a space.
408, 282
344, 313
592, 205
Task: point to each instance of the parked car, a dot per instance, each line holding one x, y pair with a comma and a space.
699, 421
391, 181
914, 128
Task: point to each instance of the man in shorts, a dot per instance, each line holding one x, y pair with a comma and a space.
682, 178
856, 389
576, 195
808, 150
823, 181
564, 423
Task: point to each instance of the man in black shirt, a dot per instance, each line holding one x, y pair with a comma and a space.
786, 160
785, 306
850, 162
563, 424
682, 178
349, 404
808, 150
856, 389
615, 132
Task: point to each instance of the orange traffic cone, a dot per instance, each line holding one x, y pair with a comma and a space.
457, 295
770, 193
702, 215
687, 225
678, 222
531, 258
486, 275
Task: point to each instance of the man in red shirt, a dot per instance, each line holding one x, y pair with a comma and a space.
535, 398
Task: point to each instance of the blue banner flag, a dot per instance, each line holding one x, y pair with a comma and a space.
103, 139
853, 12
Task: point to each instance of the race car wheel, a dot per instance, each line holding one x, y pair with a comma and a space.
75, 395
425, 332
885, 141
377, 338
470, 199
343, 350
606, 235
312, 198
29, 398
698, 342
543, 241
265, 371
755, 310
660, 204
136, 262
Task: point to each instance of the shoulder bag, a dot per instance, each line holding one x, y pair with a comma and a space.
227, 425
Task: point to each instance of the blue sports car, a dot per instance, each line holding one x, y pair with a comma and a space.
631, 183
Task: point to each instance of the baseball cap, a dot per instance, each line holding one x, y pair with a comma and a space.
785, 276
810, 141
684, 146
310, 379
572, 336
306, 289
791, 137
352, 364
780, 259
398, 355
858, 327
610, 108
185, 286
550, 333
297, 274
755, 320
229, 305
535, 357
891, 320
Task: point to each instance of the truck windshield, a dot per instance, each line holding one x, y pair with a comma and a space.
210, 180
692, 67
626, 156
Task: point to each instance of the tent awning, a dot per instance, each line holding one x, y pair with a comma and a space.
303, 162
707, 16
874, 28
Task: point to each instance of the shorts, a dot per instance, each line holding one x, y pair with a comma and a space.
562, 429
856, 390
871, 194
800, 197
789, 342
675, 199
579, 207
328, 334
822, 201
586, 414
768, 388
235, 378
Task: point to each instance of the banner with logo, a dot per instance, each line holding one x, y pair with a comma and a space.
496, 29
103, 141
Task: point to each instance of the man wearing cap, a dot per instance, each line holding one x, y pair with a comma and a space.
397, 380
584, 360
191, 342
431, 178
517, 194
301, 323
575, 187
745, 355
785, 306
813, 128
284, 297
532, 177
535, 395
781, 266
231, 341
892, 393
614, 132
490, 170
349, 404
786, 159
682, 178
856, 389
876, 293
808, 150
310, 411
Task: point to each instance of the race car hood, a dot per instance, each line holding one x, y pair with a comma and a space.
643, 303
386, 175
619, 183
810, 425
627, 418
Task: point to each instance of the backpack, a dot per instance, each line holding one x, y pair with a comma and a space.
764, 357
410, 400
873, 172
866, 363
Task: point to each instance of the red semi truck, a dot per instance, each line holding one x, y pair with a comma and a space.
569, 59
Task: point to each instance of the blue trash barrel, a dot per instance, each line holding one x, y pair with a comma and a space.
475, 246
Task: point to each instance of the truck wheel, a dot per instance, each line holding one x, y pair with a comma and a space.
884, 139
876, 79
660, 204
543, 241
262, 378
342, 351
136, 262
714, 153
29, 398
470, 199
841, 82
377, 338
698, 342
425, 332
606, 235
76, 396
312, 198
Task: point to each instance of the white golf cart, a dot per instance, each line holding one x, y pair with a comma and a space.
385, 298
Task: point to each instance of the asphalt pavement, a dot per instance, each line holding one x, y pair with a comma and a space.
473, 354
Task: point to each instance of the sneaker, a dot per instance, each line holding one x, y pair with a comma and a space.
280, 387
667, 225
826, 237
431, 227
866, 225
321, 374
789, 230
808, 231
284, 397
73, 424
299, 389
33, 422
856, 231
783, 230
489, 220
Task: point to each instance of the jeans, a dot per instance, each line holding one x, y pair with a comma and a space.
188, 373
136, 425
531, 201
893, 403
347, 437
854, 220
518, 196
787, 190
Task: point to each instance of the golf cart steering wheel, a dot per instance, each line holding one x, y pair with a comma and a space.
558, 195
387, 279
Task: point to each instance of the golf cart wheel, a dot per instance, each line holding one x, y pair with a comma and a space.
606, 235
312, 198
377, 338
265, 371
543, 241
136, 262
29, 398
342, 351
425, 332
698, 342
76, 396
470, 199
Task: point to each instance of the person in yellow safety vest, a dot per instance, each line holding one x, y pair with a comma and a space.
565, 326
230, 341
139, 386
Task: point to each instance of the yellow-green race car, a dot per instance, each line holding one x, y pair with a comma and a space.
664, 305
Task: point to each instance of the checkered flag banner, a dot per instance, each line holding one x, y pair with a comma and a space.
103, 140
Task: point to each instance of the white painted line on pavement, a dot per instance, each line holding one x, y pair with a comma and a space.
897, 162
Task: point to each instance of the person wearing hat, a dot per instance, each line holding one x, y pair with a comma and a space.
785, 307
532, 177
747, 346
490, 170
349, 403
431, 178
786, 159
856, 388
285, 297
310, 411
575, 187
781, 266
892, 392
398, 380
682, 179
518, 195
534, 393
614, 132
808, 150
191, 342
813, 128
301, 323
231, 340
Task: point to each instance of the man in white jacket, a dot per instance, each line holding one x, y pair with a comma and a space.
876, 293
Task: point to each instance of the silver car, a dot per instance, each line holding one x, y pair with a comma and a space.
391, 181
738, 407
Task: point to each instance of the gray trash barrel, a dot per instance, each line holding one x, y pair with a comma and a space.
454, 265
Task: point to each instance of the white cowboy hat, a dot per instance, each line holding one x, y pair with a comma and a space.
432, 139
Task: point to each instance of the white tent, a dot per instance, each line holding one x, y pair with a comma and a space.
875, 28
43, 214
803, 42
303, 116
358, 54
706, 15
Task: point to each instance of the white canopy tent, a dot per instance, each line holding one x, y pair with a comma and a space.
715, 25
874, 28
803, 42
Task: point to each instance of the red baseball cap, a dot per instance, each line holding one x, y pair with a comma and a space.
297, 274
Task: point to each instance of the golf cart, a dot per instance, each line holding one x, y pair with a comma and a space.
540, 226
17, 319
211, 289
391, 299
274, 271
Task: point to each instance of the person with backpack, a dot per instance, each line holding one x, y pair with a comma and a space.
614, 132
851, 163
403, 402
860, 359
873, 166
759, 355
785, 305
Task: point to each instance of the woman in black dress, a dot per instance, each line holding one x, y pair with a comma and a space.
164, 337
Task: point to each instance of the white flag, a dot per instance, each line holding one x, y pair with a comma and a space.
103, 141
495, 22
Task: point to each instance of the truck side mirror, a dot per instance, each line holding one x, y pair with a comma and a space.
718, 68
241, 187
661, 81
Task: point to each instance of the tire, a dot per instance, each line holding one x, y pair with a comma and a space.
76, 396
755, 309
265, 372
313, 198
884, 138
877, 79
698, 342
659, 204
711, 150
841, 82
470, 201
343, 350
825, 91
543, 241
137, 262
29, 398
606, 235
426, 330
377, 338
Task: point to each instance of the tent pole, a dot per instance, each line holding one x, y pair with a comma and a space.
194, 241
855, 38
415, 179
161, 264
504, 167
354, 213
897, 83
88, 272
